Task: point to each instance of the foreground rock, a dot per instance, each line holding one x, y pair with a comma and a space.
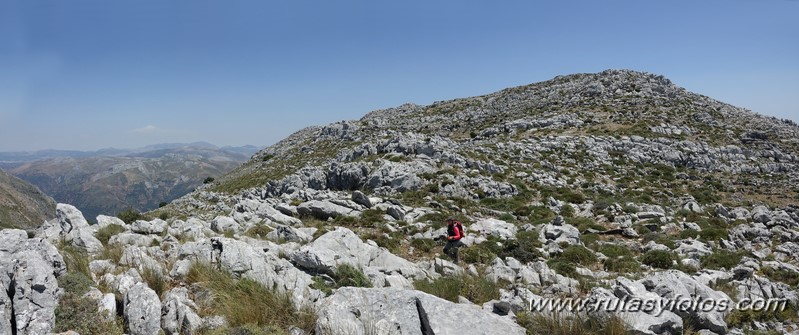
395, 311
342, 246
143, 310
29, 290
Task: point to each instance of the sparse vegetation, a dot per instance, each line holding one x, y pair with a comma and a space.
658, 259
349, 275
104, 234
477, 289
130, 215
721, 259
246, 303
561, 324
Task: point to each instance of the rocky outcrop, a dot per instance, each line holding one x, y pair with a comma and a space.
342, 246
28, 272
142, 310
395, 311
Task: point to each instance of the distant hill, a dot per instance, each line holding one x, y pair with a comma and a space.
23, 205
108, 181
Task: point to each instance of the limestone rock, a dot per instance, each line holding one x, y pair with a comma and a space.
142, 309
222, 224
354, 310
324, 210
493, 227
178, 314
343, 246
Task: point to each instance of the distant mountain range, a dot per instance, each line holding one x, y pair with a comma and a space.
108, 181
12, 159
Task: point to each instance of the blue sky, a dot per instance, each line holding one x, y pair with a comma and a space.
93, 74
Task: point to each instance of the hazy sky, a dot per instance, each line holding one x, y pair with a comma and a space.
92, 74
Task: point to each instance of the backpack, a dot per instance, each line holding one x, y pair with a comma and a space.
459, 225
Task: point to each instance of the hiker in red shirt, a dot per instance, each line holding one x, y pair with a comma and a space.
454, 235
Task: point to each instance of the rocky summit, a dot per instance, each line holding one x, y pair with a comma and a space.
581, 196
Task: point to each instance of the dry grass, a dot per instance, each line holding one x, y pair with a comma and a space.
561, 324
245, 302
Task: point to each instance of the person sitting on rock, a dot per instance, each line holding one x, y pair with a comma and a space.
454, 235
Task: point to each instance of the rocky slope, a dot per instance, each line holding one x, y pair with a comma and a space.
107, 182
610, 187
22, 205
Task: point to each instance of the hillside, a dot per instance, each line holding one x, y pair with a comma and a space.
22, 205
602, 188
108, 183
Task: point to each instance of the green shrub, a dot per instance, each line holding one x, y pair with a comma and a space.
507, 217
541, 214
713, 233
567, 211
79, 314
480, 254
208, 180
563, 268
75, 282
624, 264
320, 284
423, 245
584, 223
392, 243
477, 289
658, 259
130, 215
746, 318
105, 233
578, 255
348, 275
782, 275
615, 250
721, 259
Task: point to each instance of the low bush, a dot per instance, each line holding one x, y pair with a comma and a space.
80, 314
482, 253
615, 250
75, 282
625, 264
104, 234
477, 289
130, 215
349, 275
658, 259
578, 255
747, 318
783, 275
713, 233
561, 324
563, 268
423, 244
721, 259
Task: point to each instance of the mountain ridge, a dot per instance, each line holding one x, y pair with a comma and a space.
23, 205
139, 180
